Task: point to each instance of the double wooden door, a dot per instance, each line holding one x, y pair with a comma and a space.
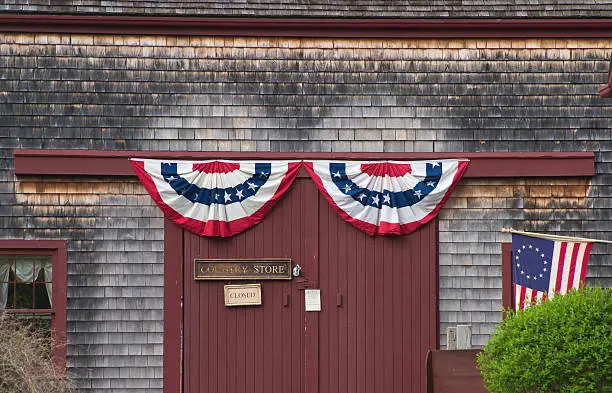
378, 312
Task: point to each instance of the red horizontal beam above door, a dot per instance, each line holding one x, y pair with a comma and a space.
485, 164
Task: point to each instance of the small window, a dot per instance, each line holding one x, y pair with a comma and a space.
33, 286
26, 282
26, 287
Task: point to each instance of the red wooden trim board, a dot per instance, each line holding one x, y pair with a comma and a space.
173, 307
485, 164
507, 275
308, 27
434, 249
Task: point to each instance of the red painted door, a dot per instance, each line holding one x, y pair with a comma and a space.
258, 349
378, 318
379, 308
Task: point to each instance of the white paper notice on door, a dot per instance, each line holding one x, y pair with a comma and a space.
313, 299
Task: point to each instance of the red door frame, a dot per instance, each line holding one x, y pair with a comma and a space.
173, 307
507, 296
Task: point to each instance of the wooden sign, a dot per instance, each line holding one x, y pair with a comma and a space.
242, 295
242, 269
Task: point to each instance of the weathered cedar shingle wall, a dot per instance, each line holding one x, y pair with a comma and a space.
115, 273
157, 93
326, 8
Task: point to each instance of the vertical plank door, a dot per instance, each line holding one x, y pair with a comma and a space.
379, 313
379, 307
255, 349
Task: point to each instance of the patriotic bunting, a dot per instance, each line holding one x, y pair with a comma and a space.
216, 198
387, 198
223, 198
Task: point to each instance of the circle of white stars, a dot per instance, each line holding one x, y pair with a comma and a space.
375, 199
226, 194
533, 277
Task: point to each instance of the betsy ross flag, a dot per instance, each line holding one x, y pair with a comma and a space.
545, 265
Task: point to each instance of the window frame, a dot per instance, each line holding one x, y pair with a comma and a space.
507, 292
57, 249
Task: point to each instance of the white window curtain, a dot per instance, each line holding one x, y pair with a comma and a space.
26, 268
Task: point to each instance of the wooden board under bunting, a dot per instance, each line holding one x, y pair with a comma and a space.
242, 269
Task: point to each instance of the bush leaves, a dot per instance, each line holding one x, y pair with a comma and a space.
563, 345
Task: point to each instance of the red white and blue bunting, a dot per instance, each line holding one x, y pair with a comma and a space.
223, 198
216, 198
387, 198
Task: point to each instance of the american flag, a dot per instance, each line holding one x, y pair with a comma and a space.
543, 267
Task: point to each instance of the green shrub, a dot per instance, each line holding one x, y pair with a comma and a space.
26, 365
563, 345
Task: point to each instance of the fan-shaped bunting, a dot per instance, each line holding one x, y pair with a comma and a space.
390, 197
216, 198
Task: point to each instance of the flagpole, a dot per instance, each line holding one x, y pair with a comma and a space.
555, 237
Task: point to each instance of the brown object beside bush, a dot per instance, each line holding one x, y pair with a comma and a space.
453, 372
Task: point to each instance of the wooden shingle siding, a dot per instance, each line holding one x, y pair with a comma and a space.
157, 93
291, 95
325, 8
115, 274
